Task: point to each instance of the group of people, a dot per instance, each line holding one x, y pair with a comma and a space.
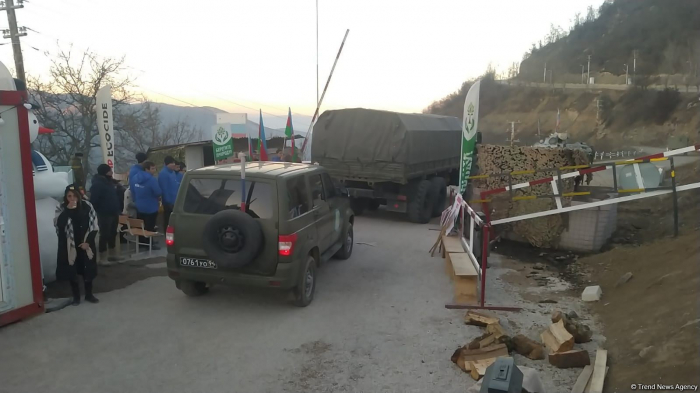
147, 191
79, 220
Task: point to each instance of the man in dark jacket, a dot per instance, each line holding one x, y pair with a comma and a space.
169, 183
147, 195
105, 200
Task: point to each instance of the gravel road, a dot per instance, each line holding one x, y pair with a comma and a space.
378, 324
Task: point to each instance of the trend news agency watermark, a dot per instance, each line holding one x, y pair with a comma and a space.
660, 386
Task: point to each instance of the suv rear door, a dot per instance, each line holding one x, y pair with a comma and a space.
321, 210
203, 195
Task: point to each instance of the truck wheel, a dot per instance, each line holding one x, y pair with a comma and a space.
373, 204
441, 195
193, 288
306, 286
358, 205
420, 206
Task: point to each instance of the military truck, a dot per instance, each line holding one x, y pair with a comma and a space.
403, 161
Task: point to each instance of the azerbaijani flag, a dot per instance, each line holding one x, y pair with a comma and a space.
289, 133
262, 143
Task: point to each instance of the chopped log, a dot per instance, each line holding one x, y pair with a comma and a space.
570, 359
478, 319
462, 356
476, 343
478, 367
582, 333
557, 339
496, 329
528, 348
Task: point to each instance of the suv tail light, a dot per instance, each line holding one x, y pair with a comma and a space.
286, 244
170, 236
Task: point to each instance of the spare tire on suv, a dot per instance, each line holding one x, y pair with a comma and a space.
232, 238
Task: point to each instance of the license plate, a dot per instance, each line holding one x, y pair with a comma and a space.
196, 262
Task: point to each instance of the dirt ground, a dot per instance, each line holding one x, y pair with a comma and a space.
110, 278
651, 322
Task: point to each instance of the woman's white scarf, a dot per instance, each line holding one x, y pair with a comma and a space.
70, 237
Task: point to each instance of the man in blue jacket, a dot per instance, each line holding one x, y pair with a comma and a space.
147, 197
105, 200
169, 183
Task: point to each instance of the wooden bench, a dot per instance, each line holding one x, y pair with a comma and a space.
450, 245
465, 277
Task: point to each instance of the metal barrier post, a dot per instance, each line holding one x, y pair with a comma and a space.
675, 198
484, 259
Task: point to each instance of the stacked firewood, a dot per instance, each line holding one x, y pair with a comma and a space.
492, 159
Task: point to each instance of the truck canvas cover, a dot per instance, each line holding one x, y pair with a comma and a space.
379, 145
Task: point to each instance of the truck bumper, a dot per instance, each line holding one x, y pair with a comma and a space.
285, 277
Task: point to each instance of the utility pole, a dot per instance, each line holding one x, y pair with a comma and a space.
589, 70
597, 112
634, 68
544, 78
627, 71
14, 33
583, 74
512, 132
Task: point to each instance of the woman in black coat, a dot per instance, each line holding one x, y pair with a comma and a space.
76, 226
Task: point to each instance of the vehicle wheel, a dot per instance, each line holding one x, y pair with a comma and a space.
232, 238
358, 205
373, 204
348, 241
440, 189
306, 286
420, 206
193, 288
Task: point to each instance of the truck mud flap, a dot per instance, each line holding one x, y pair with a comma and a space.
397, 206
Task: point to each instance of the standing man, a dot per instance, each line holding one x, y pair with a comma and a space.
136, 168
279, 156
105, 200
146, 197
169, 184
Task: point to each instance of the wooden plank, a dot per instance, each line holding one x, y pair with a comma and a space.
588, 386
452, 244
582, 380
598, 377
462, 265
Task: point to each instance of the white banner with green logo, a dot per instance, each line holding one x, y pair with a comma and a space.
222, 142
470, 123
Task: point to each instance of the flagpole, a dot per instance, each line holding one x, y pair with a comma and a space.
318, 105
317, 51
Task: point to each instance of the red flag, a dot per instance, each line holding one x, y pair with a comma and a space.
250, 148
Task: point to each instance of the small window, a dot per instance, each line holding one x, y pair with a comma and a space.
297, 196
316, 185
210, 196
328, 186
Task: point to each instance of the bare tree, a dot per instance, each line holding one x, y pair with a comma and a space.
140, 128
66, 102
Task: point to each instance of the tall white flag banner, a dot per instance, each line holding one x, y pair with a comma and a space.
105, 123
470, 124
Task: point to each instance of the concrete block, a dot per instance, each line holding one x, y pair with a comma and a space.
592, 294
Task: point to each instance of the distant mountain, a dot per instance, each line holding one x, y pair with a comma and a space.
204, 118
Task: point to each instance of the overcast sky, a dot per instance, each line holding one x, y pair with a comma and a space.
399, 55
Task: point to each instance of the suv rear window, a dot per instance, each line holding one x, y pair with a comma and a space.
210, 196
298, 197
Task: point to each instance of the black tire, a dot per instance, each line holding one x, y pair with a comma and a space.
440, 190
358, 205
348, 240
421, 202
373, 204
232, 238
306, 285
193, 288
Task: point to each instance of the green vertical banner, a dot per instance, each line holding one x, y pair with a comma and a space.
470, 123
222, 142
